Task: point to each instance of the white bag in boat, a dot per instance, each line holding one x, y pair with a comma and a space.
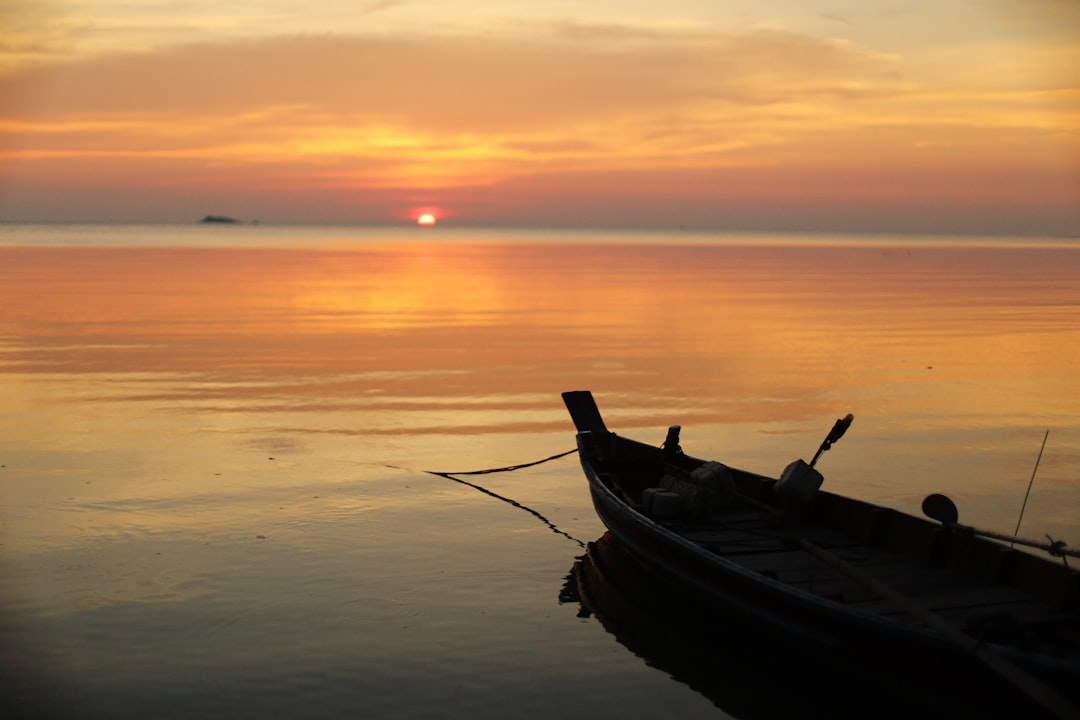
718, 481
661, 504
798, 484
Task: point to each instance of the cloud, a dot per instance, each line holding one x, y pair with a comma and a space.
594, 108
835, 17
439, 109
466, 84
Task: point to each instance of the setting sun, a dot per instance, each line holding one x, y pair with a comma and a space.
426, 219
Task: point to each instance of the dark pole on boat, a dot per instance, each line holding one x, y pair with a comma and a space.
1030, 483
941, 508
835, 434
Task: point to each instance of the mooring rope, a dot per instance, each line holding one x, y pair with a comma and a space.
508, 468
509, 501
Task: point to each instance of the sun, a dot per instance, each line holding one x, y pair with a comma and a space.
426, 219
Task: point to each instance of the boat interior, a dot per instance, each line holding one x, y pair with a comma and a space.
988, 590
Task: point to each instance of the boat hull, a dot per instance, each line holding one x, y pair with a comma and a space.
695, 558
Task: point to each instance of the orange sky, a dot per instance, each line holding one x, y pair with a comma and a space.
726, 114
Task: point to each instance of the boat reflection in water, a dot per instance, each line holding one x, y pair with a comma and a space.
749, 672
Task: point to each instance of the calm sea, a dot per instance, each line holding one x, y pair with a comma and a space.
213, 443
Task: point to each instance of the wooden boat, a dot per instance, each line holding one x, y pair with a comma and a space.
847, 582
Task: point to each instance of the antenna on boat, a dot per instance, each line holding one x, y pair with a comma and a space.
1030, 483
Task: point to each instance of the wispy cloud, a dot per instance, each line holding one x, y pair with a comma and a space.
453, 84
443, 110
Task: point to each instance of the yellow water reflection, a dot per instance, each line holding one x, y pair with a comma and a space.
480, 321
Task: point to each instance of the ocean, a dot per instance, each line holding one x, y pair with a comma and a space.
215, 443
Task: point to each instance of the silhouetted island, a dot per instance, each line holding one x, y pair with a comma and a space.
220, 219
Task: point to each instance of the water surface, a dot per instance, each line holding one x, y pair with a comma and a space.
213, 442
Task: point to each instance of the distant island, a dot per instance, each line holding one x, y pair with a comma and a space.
220, 219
